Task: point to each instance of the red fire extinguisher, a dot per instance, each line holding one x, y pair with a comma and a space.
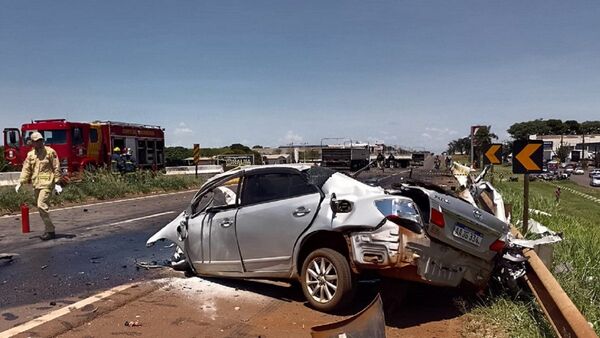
24, 218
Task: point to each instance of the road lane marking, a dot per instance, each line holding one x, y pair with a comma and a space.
141, 218
61, 312
107, 202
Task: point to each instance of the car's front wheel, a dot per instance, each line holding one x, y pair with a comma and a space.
326, 279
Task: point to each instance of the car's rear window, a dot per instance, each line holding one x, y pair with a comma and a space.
319, 175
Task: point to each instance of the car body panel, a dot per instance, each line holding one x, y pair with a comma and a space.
267, 232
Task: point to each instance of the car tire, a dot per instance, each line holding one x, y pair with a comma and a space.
318, 285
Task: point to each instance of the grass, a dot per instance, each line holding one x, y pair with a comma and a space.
102, 185
576, 263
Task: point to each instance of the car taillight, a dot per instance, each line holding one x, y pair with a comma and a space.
497, 246
437, 218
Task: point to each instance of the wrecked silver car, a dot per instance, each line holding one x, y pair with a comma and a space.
325, 229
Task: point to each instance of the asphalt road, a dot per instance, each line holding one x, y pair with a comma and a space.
583, 180
97, 247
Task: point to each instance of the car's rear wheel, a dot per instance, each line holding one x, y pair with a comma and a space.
326, 279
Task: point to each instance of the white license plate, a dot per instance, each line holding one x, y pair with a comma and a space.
467, 234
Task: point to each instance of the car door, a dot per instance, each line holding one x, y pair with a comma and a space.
211, 243
276, 209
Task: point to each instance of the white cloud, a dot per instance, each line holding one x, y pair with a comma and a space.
182, 129
441, 131
426, 135
291, 137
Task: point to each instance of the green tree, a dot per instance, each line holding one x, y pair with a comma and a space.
563, 152
482, 139
572, 127
174, 155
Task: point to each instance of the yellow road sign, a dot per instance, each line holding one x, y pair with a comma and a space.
529, 157
493, 154
196, 153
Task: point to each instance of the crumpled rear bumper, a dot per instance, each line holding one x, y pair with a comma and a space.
399, 253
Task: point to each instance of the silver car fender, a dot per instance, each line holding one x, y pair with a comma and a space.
169, 232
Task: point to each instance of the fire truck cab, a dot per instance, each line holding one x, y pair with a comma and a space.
85, 146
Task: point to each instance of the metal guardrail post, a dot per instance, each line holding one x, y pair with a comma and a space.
563, 315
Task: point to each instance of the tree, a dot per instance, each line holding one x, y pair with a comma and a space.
563, 152
590, 127
572, 127
482, 139
461, 145
174, 155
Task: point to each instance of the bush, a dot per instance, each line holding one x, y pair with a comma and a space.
102, 185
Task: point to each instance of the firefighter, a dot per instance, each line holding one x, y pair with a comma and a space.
116, 161
42, 169
129, 162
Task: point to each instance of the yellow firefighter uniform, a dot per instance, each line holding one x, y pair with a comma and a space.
42, 169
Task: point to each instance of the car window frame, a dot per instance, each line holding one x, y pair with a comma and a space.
268, 171
204, 190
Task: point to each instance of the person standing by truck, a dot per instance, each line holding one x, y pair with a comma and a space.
42, 169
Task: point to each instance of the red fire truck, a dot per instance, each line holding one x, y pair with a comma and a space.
83, 145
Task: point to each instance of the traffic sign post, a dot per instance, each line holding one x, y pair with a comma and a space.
196, 156
492, 154
528, 159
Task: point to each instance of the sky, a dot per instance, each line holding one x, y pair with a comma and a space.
409, 73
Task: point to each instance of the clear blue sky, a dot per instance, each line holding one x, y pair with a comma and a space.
412, 73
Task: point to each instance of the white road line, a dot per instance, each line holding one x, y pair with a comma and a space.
61, 312
129, 220
139, 218
107, 202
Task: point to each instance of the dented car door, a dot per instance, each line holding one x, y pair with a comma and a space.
276, 208
211, 244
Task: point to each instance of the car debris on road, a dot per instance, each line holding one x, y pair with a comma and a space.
327, 229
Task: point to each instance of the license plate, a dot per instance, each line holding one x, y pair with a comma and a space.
467, 234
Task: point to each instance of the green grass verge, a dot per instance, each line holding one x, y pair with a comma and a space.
102, 185
576, 262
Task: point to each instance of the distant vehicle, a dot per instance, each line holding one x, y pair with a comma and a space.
87, 145
595, 181
578, 171
345, 157
552, 166
569, 169
594, 172
418, 159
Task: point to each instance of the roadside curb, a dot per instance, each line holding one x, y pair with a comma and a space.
75, 315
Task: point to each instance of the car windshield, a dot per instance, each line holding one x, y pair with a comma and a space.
50, 136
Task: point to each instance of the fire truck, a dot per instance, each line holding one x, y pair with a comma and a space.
87, 145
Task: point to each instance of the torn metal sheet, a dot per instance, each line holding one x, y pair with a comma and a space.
539, 212
368, 323
461, 173
531, 243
